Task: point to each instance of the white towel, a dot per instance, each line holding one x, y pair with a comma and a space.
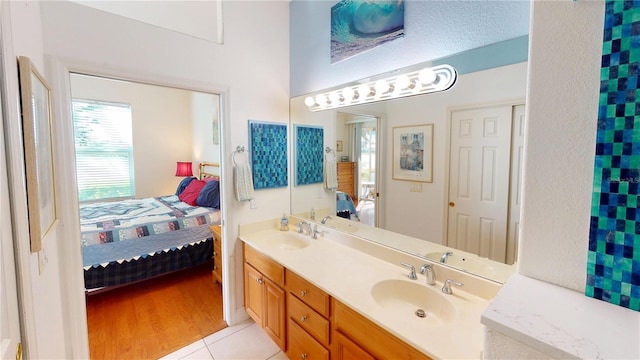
243, 182
330, 174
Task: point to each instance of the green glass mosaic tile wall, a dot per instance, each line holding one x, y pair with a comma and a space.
613, 269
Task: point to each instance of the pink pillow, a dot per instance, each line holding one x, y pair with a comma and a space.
191, 192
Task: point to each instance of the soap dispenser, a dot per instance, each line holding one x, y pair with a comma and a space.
284, 223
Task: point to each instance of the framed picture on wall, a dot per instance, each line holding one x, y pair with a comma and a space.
35, 101
413, 153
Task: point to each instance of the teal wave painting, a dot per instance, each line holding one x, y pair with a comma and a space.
359, 25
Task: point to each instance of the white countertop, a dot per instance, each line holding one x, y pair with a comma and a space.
563, 323
348, 275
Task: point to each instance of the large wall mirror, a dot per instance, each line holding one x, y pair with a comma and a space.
467, 214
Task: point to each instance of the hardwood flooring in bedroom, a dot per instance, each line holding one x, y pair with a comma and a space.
154, 318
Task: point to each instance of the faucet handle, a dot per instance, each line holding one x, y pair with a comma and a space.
412, 271
430, 273
314, 231
447, 286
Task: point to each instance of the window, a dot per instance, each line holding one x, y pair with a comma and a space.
104, 150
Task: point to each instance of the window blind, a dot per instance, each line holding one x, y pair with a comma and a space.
104, 149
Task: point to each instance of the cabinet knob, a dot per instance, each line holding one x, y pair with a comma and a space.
303, 318
214, 253
452, 204
304, 356
259, 281
303, 293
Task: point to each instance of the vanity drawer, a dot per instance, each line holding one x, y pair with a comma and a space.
303, 346
266, 266
370, 337
308, 293
316, 325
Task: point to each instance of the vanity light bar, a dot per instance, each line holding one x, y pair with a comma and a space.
425, 81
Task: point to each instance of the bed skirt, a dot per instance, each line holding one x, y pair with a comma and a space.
140, 267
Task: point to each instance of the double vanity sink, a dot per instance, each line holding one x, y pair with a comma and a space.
369, 279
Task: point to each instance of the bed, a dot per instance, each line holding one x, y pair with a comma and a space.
345, 207
133, 240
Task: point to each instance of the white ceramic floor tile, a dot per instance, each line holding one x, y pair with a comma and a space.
189, 349
202, 354
227, 331
279, 356
250, 343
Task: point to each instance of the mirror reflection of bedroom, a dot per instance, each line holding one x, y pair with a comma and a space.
147, 167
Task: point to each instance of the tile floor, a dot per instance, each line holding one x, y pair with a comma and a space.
245, 341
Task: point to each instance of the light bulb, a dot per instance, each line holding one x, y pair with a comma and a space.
348, 93
363, 91
321, 100
335, 97
427, 76
309, 101
402, 82
382, 86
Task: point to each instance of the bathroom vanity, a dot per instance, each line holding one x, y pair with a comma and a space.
343, 297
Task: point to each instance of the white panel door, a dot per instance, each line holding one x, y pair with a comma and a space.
517, 154
480, 150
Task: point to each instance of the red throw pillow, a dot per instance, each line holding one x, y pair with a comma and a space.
191, 192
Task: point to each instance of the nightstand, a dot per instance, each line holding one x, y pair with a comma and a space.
217, 252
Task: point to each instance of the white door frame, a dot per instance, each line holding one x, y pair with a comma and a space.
450, 111
74, 302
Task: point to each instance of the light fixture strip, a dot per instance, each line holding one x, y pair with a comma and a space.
425, 81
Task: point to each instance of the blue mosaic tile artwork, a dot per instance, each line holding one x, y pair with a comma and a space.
613, 268
268, 145
309, 148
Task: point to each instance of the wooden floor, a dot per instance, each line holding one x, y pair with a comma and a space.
154, 318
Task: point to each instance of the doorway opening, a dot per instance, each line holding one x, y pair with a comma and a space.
169, 295
361, 136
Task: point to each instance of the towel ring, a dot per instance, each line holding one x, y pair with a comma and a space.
239, 149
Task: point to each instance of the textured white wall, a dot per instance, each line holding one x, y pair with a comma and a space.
564, 83
433, 29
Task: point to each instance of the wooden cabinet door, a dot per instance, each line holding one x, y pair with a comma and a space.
274, 315
345, 349
253, 293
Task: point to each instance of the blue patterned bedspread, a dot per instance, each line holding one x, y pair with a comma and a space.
102, 223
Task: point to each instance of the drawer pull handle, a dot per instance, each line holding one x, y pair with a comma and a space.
303, 293
304, 356
259, 281
303, 318
214, 253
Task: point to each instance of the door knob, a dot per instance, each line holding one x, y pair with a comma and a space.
452, 204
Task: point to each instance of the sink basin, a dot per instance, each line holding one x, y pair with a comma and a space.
288, 241
406, 297
466, 263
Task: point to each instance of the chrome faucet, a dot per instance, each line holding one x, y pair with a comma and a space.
427, 269
412, 271
301, 228
447, 286
443, 258
324, 219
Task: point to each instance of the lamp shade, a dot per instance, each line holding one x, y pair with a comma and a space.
183, 168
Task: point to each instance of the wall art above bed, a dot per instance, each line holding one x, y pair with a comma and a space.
268, 151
